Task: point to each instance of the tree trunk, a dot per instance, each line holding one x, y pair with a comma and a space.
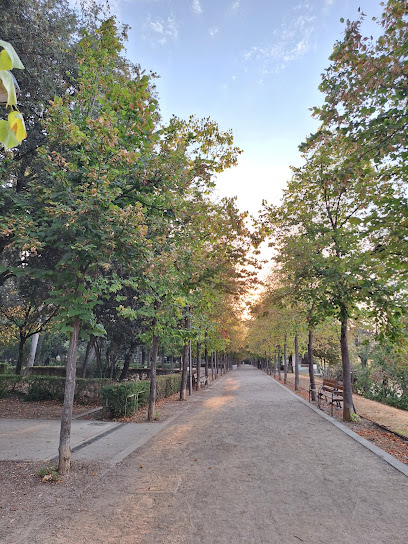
345, 359
216, 364
152, 395
206, 358
285, 363
190, 370
296, 362
143, 357
275, 367
64, 449
21, 346
98, 355
279, 364
183, 385
33, 349
198, 365
89, 355
126, 363
311, 372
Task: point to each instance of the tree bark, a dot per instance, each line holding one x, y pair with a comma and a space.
279, 364
198, 365
183, 385
311, 372
206, 358
126, 362
296, 362
89, 355
216, 364
345, 359
21, 345
33, 349
285, 363
64, 449
190, 370
152, 395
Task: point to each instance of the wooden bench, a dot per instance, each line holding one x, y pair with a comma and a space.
332, 392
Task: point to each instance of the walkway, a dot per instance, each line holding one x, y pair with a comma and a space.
246, 463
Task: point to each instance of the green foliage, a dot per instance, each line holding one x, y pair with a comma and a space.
39, 388
49, 474
9, 384
124, 398
3, 368
384, 385
168, 385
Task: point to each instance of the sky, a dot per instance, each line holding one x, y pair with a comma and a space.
253, 66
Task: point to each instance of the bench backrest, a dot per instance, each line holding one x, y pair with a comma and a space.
334, 384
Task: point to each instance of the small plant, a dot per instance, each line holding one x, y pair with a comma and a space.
49, 474
156, 416
354, 417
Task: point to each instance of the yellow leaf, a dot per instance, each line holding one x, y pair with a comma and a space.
7, 136
5, 61
16, 122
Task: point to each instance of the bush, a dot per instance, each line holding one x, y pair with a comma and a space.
123, 399
45, 388
10, 383
39, 388
3, 368
46, 371
167, 385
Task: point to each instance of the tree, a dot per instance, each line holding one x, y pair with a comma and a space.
84, 215
365, 90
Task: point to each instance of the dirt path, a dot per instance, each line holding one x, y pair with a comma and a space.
246, 463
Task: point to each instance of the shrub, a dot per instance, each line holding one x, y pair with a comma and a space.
38, 388
10, 383
3, 368
167, 385
45, 388
123, 399
46, 371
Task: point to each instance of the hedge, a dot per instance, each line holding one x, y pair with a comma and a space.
59, 371
37, 388
124, 399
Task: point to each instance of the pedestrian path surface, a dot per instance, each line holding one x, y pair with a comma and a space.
246, 463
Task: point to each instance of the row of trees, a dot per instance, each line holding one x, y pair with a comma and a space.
108, 223
340, 233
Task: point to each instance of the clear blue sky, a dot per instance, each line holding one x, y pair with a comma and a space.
251, 65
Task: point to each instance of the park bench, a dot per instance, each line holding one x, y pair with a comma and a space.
332, 392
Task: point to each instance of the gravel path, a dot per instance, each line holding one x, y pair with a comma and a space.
246, 463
